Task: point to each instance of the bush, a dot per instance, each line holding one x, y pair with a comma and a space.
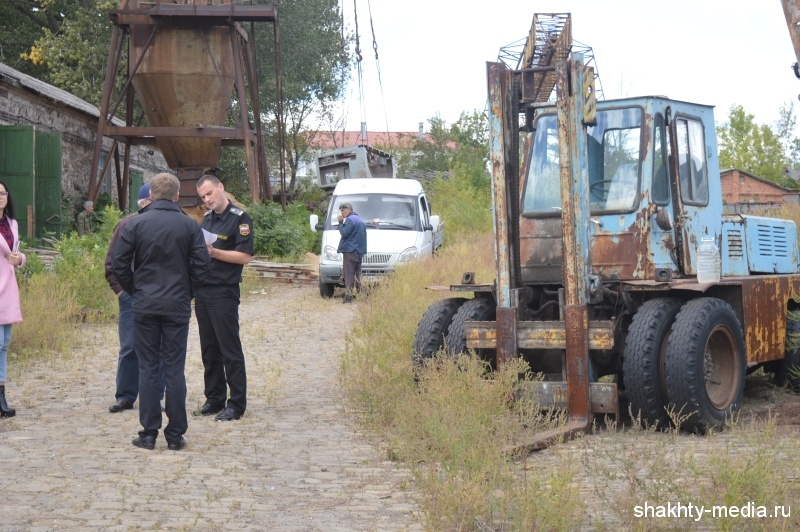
82, 267
279, 234
463, 202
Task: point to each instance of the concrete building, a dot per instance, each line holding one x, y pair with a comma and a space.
27, 101
742, 191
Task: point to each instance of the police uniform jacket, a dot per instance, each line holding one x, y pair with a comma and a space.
234, 231
169, 258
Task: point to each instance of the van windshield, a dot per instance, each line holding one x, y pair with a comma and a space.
380, 211
613, 149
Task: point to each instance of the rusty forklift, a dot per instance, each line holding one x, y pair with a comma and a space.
599, 210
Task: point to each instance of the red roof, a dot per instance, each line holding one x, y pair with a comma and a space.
329, 140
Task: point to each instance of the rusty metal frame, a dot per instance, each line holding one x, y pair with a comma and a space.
499, 89
191, 15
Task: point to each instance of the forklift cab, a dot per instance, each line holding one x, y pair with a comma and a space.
651, 168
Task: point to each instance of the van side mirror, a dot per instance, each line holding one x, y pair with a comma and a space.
313, 221
435, 222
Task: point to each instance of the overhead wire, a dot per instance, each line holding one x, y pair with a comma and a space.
361, 98
378, 64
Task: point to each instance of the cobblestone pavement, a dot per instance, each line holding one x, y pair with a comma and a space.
293, 462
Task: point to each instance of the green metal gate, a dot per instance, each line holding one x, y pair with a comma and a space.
17, 171
48, 184
30, 163
137, 180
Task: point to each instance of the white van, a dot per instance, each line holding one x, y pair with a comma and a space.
400, 228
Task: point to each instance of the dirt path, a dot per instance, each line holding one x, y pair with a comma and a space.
294, 462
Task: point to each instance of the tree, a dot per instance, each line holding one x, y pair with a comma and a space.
315, 64
22, 22
758, 148
77, 53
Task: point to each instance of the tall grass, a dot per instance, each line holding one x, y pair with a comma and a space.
74, 290
453, 422
48, 307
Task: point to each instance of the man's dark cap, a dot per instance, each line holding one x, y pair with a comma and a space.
144, 191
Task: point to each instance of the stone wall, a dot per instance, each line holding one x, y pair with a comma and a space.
19, 106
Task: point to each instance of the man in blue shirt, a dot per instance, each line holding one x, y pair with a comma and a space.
353, 246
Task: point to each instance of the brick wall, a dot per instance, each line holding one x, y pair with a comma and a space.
739, 187
78, 130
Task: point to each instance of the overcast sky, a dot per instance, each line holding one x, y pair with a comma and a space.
433, 53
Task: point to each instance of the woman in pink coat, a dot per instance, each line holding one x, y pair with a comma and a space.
10, 258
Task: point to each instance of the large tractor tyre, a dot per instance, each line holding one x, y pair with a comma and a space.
706, 361
644, 360
478, 309
431, 332
326, 289
787, 371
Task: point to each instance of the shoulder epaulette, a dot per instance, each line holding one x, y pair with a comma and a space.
237, 211
207, 212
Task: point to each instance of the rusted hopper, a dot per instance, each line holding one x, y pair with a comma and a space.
185, 80
185, 59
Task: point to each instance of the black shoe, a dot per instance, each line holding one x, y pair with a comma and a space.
208, 409
145, 442
176, 445
347, 299
5, 410
229, 414
119, 406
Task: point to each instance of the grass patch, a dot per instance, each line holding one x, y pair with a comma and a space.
452, 425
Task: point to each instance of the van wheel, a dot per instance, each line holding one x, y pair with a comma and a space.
644, 360
326, 289
788, 369
477, 309
705, 364
431, 333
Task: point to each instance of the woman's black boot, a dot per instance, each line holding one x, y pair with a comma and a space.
5, 410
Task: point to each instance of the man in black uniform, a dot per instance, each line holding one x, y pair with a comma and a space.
169, 257
217, 302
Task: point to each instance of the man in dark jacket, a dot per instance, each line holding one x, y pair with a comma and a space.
353, 247
127, 363
169, 257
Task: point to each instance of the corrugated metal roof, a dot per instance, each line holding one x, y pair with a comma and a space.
29, 83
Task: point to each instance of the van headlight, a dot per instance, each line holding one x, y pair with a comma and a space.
330, 254
408, 254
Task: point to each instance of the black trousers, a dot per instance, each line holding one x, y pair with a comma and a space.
157, 338
352, 272
217, 311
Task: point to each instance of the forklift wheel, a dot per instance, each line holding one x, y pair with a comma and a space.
431, 333
787, 369
705, 364
644, 359
478, 309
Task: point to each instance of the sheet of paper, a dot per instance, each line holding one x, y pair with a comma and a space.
210, 237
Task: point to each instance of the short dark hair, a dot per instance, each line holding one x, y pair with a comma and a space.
208, 178
9, 210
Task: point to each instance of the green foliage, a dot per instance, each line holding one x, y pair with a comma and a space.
315, 61
462, 200
463, 207
22, 23
758, 148
284, 235
233, 173
82, 267
76, 54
